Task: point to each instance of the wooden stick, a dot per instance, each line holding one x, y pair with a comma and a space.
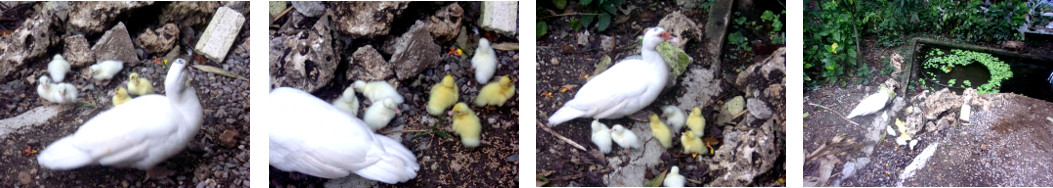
280, 15
565, 139
834, 112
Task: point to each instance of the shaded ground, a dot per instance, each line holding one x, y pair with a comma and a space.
1006, 146
444, 161
211, 158
562, 63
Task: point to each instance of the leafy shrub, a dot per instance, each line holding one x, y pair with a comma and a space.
830, 48
999, 70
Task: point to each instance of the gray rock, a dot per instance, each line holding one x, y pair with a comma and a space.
364, 19
94, 17
701, 86
188, 13
78, 52
747, 151
607, 43
688, 4
309, 8
681, 27
25, 121
220, 34
304, 60
61, 8
158, 40
446, 23
758, 108
367, 64
415, 51
276, 7
500, 16
27, 43
115, 44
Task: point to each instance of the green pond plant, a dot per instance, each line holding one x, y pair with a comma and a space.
998, 69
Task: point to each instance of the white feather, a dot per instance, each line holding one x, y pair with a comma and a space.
623, 89
311, 136
377, 90
484, 62
139, 133
674, 117
601, 136
58, 67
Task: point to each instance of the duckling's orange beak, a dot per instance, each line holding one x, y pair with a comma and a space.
665, 36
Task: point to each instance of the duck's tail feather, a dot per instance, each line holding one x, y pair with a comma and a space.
62, 155
396, 165
563, 115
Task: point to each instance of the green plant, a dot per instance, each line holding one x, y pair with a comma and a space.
776, 34
434, 131
999, 70
830, 49
600, 11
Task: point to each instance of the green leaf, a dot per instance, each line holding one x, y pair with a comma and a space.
603, 22
575, 24
542, 28
419, 135
657, 181
560, 4
586, 20
609, 8
442, 134
584, 2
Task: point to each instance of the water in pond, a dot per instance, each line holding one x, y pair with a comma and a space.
1029, 76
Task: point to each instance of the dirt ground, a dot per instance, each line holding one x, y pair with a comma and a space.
966, 155
217, 156
561, 62
444, 161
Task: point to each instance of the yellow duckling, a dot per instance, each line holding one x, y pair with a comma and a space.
696, 122
120, 96
496, 93
466, 124
691, 143
442, 96
661, 132
139, 86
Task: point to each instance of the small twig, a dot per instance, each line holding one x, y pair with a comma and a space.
412, 130
568, 14
280, 15
695, 181
834, 112
565, 139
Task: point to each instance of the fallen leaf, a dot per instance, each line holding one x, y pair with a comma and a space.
657, 181
506, 46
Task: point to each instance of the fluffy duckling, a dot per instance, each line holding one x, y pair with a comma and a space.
674, 179
139, 85
120, 96
58, 67
347, 102
380, 114
484, 61
696, 122
691, 143
873, 103
44, 88
466, 124
496, 93
674, 116
624, 137
377, 90
601, 136
106, 69
661, 132
442, 96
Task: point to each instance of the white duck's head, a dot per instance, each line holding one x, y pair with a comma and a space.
596, 125
655, 36
177, 76
44, 81
618, 130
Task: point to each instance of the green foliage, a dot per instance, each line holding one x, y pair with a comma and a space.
999, 70
706, 4
830, 49
560, 4
776, 26
969, 20
600, 11
542, 28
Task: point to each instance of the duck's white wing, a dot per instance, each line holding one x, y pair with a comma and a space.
138, 133
310, 136
612, 94
873, 103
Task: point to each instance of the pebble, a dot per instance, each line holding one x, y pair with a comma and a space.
24, 178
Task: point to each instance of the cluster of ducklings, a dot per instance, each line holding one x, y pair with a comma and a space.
53, 90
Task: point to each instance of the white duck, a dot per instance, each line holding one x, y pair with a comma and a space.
873, 103
601, 136
58, 67
484, 62
139, 133
310, 136
347, 102
44, 88
674, 117
625, 88
380, 113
